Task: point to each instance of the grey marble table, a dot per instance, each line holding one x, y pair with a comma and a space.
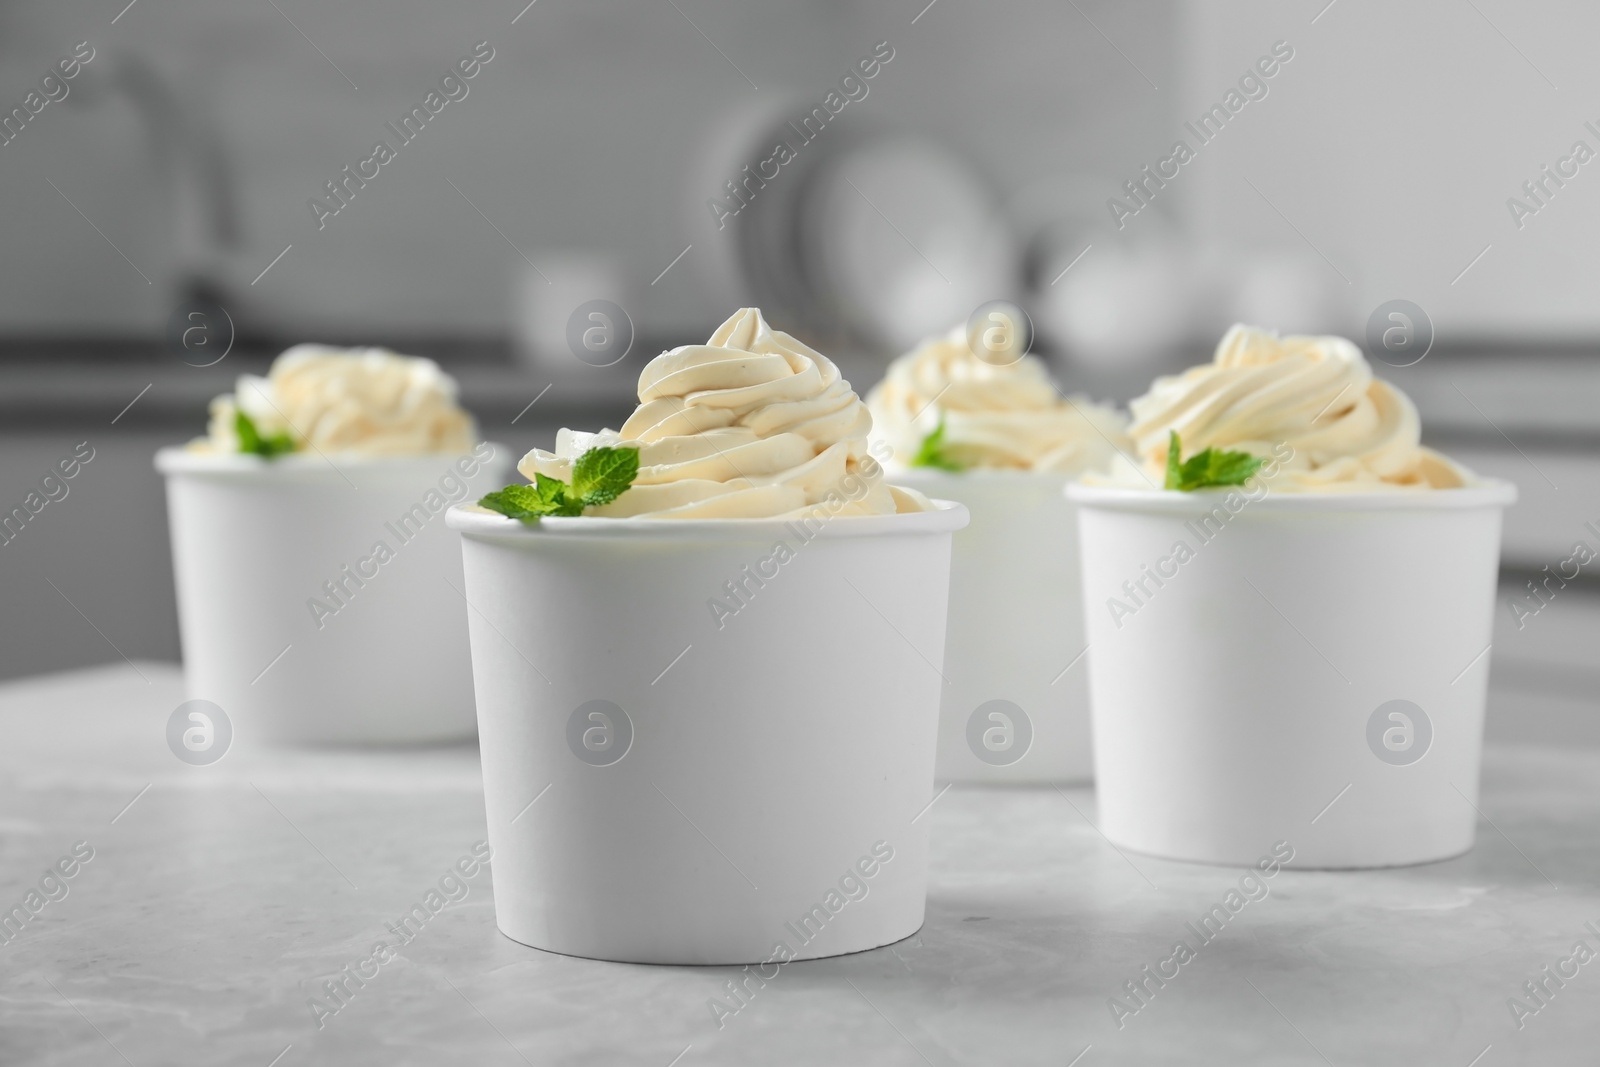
218, 899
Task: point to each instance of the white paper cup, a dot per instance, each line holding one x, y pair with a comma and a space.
666, 783
1017, 706
1314, 672
385, 657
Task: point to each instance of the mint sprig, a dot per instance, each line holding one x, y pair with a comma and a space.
932, 451
1207, 468
603, 474
598, 477
251, 441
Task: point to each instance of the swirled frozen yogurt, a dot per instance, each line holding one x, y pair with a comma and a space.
1345, 430
751, 424
367, 400
987, 415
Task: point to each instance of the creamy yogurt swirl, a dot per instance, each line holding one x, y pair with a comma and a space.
1007, 417
366, 400
752, 424
1348, 430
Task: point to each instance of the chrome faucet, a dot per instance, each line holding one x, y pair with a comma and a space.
192, 157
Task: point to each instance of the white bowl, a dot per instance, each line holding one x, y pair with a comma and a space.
1314, 672
254, 541
666, 783
1017, 707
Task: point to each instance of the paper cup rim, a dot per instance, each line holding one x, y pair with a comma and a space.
301, 466
1484, 493
473, 521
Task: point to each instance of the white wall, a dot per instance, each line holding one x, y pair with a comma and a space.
578, 134
1393, 141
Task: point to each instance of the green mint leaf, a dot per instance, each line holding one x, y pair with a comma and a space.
1226, 468
521, 502
932, 453
603, 474
1174, 466
552, 492
1208, 468
252, 443
599, 477
557, 495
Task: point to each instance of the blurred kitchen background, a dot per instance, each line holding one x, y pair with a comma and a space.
176, 177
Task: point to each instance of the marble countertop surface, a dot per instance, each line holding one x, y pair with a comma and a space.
219, 898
